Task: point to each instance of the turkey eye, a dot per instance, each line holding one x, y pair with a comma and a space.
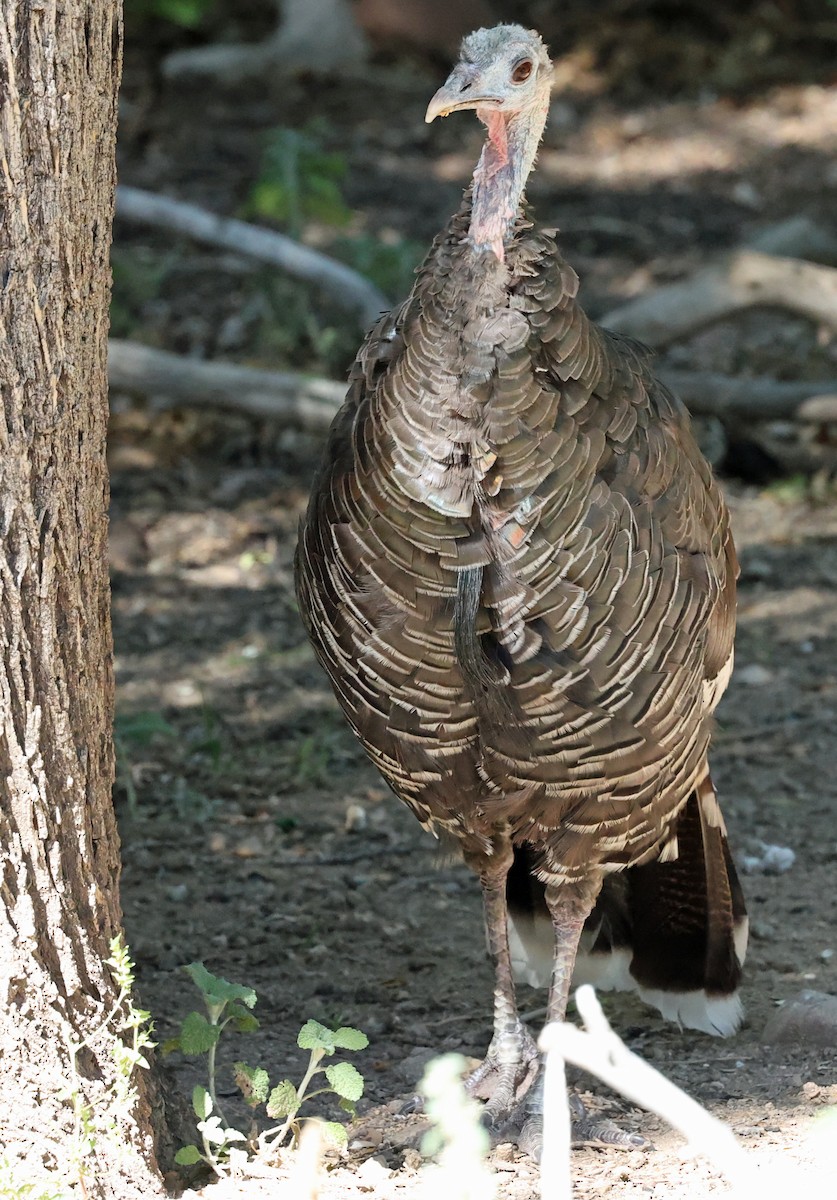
522, 71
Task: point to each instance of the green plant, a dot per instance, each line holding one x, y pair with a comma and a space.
231, 1004
132, 731
188, 14
34, 1186
111, 1112
299, 180
139, 275
209, 739
390, 264
457, 1135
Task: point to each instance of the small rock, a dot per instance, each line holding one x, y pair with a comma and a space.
762, 931
811, 1090
810, 1018
505, 1152
412, 1159
356, 820
374, 1170
754, 675
412, 1068
773, 860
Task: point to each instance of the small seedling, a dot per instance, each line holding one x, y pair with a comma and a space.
229, 1003
109, 1115
299, 180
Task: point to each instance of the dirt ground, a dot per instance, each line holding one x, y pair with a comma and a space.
256, 838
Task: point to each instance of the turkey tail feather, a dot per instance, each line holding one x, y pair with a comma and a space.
674, 930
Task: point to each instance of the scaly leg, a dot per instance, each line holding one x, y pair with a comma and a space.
511, 1063
569, 908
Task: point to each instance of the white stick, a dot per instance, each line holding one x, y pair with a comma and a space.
348, 287
601, 1052
556, 1174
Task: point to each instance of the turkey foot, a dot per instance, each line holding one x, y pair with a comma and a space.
506, 1073
527, 1130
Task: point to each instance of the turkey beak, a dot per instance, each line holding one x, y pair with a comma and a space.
458, 93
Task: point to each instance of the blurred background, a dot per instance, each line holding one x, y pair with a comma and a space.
690, 146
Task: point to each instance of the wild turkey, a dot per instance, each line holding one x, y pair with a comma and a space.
518, 572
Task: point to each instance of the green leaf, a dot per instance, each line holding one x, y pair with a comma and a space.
253, 1083
314, 1036
283, 1101
141, 727
241, 1019
335, 1133
346, 1038
212, 1130
348, 1107
219, 990
201, 1102
346, 1080
197, 1035
187, 1156
169, 1045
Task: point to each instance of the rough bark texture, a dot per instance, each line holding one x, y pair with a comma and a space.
59, 72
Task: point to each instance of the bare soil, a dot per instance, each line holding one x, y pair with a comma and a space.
255, 836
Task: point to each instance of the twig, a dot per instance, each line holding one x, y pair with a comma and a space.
743, 279
600, 1051
348, 287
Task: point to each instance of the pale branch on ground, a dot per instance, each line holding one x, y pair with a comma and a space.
600, 1051
740, 280
311, 403
347, 286
314, 35
708, 393
797, 237
173, 379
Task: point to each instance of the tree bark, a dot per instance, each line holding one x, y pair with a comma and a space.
60, 63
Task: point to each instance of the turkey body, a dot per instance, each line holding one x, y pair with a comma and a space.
517, 570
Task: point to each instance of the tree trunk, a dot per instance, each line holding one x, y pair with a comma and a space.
60, 62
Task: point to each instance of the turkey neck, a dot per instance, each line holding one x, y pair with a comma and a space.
504, 166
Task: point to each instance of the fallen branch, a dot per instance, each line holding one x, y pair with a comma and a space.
348, 287
741, 280
820, 410
310, 402
315, 35
797, 237
710, 394
173, 379
600, 1051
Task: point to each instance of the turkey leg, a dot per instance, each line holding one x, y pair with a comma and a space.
569, 908
511, 1063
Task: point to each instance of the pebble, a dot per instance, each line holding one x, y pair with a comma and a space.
809, 1018
412, 1068
772, 860
356, 819
373, 1171
754, 675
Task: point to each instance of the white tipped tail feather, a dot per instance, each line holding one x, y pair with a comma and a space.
531, 946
